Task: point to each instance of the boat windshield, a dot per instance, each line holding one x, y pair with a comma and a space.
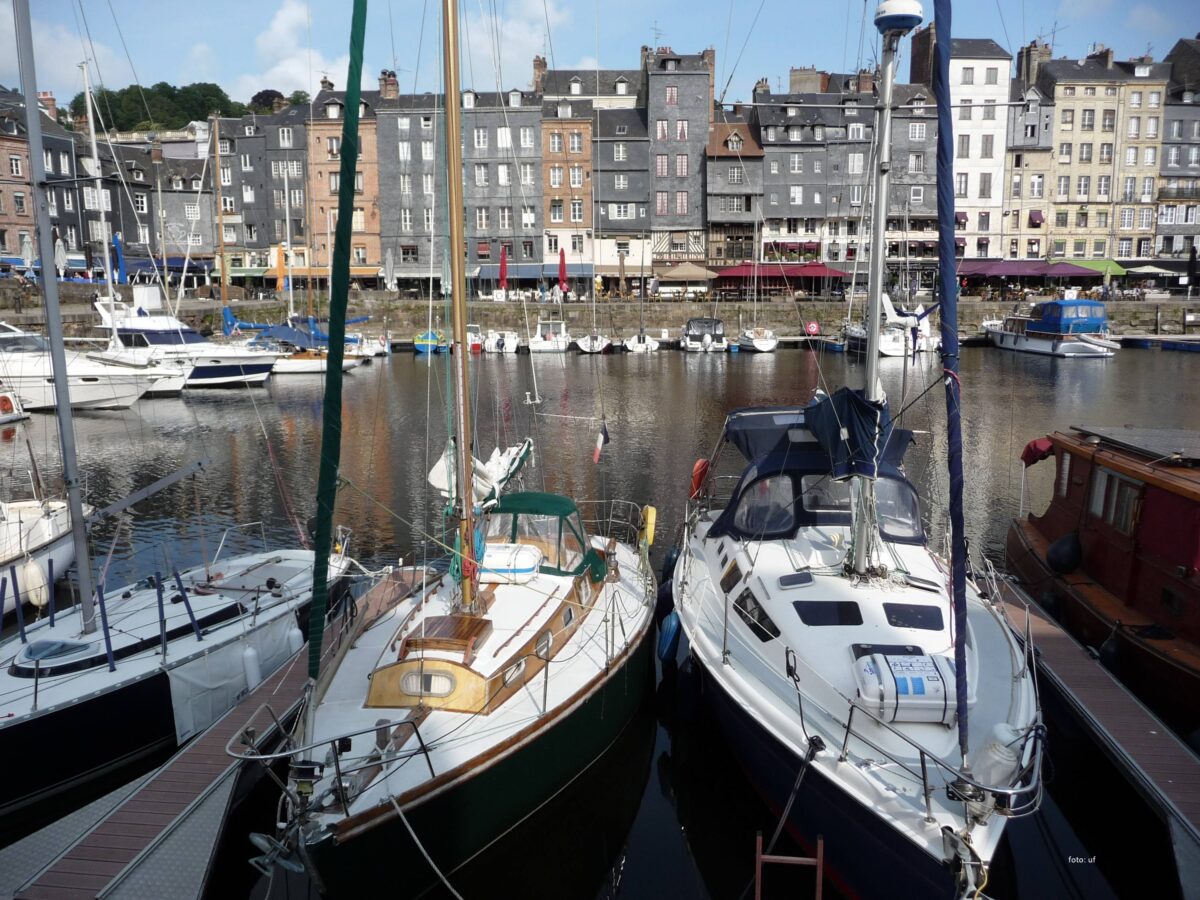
561, 539
173, 337
22, 343
551, 327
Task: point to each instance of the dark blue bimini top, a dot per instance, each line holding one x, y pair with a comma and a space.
1068, 317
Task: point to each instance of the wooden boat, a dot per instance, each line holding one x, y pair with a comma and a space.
1115, 556
1067, 328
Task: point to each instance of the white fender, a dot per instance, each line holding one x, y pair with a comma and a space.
253, 668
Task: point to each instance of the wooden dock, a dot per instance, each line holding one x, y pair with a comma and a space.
1179, 342
1161, 766
159, 839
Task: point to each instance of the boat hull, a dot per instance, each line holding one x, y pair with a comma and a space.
641, 344
865, 856
1067, 348
59, 547
593, 344
117, 390
215, 371
758, 344
1168, 686
699, 347
491, 800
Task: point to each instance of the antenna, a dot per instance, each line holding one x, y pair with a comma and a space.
657, 33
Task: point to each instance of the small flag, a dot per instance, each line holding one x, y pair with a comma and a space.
601, 440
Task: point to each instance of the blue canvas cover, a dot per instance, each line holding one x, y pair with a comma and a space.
857, 435
1068, 317
285, 334
757, 430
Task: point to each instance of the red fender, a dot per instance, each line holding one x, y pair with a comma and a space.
699, 473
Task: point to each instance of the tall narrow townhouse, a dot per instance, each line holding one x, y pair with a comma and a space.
1028, 166
679, 100
735, 189
1179, 186
979, 87
796, 132
502, 155
279, 220
413, 222
185, 204
1106, 140
848, 146
621, 173
16, 188
911, 232
567, 185
324, 138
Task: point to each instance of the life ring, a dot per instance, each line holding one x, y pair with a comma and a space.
699, 473
649, 518
6, 404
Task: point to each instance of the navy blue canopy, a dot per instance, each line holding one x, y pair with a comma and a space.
757, 430
858, 435
288, 335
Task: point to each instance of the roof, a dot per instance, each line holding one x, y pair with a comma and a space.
370, 98
1173, 445
499, 99
720, 133
535, 503
579, 108
608, 122
602, 83
977, 48
1069, 71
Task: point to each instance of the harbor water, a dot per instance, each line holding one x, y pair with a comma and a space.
666, 813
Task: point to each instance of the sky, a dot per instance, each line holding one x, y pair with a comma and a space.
288, 44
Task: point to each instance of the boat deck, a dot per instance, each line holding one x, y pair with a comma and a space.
158, 841
1163, 768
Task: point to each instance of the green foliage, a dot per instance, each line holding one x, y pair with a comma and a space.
169, 106
299, 98
264, 99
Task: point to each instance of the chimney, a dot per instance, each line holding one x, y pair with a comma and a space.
709, 55
824, 83
389, 86
1030, 59
47, 102
326, 84
278, 104
920, 67
645, 57
762, 86
539, 74
805, 80
156, 154
382, 81
866, 81
1102, 55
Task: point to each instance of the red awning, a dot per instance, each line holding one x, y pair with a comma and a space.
1036, 450
810, 245
1035, 217
781, 270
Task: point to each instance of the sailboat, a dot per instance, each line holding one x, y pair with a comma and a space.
452, 715
139, 669
640, 342
873, 693
756, 339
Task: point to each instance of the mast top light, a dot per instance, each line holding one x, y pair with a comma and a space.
898, 16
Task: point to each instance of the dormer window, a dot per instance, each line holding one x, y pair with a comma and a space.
852, 107
514, 98
248, 130
734, 142
671, 65
138, 175
468, 100
791, 111
622, 87
177, 182
1141, 72
362, 109
576, 86
622, 129
333, 110
195, 184
564, 110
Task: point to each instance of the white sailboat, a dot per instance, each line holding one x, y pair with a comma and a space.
449, 716
840, 669
179, 648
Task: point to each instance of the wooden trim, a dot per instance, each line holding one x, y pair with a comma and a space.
1178, 480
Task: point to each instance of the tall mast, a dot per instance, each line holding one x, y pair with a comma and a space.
216, 143
458, 282
894, 19
287, 246
99, 181
58, 356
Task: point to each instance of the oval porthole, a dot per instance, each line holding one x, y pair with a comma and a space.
513, 672
543, 645
428, 684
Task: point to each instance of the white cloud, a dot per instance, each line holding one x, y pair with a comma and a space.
1149, 20
519, 35
198, 65
57, 52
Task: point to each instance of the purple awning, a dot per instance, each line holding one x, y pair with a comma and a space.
1036, 218
960, 218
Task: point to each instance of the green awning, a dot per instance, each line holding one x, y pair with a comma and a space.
249, 271
1103, 266
535, 503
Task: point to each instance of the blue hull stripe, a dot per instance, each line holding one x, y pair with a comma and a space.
209, 376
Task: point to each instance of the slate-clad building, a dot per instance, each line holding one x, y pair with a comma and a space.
734, 161
1179, 187
621, 180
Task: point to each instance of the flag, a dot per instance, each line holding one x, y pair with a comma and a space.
601, 440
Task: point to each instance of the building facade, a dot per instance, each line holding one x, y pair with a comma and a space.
567, 184
1179, 184
734, 162
621, 185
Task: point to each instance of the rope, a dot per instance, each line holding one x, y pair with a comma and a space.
412, 834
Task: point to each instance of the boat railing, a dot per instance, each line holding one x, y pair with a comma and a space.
244, 527
620, 519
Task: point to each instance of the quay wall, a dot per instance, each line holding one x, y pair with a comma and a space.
405, 318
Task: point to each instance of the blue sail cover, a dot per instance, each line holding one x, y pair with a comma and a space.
857, 435
285, 334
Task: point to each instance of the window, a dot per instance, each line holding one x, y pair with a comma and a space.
1060, 218
226, 176
506, 218
661, 165
1147, 188
986, 151
481, 175
990, 77
854, 164
552, 243
406, 220
1064, 153
1152, 127
408, 254
766, 508
481, 138
1130, 189
796, 163
1176, 128
405, 182
64, 164
556, 210
960, 184
195, 240
1135, 126
1126, 217
1016, 187
681, 165
672, 98
16, 166
1174, 154
297, 197
527, 173
985, 221
622, 211
1145, 218
1108, 120
1067, 120
681, 203
964, 110
577, 243
285, 137
1060, 248
575, 144
916, 195
1064, 186
1131, 156
1135, 99
620, 182
1114, 499
916, 163
576, 210
916, 131
751, 612
227, 204
526, 138
1106, 153
332, 111
556, 142
856, 193
504, 138
620, 152
503, 178
1083, 187
247, 193
527, 249
736, 174
1103, 185
964, 146
660, 130
817, 613
481, 218
426, 150
968, 75
68, 202
468, 100
1155, 99
1099, 248
681, 130
403, 123
1124, 248
230, 234
405, 151
856, 131
1087, 120
1085, 153
556, 176
660, 203
358, 219
427, 219
796, 194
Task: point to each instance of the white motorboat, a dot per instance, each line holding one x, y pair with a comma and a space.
758, 340
309, 362
474, 338
1064, 328
551, 337
501, 342
704, 335
170, 340
26, 369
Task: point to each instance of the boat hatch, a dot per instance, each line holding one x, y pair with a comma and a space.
40, 650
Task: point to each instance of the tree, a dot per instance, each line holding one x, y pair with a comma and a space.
167, 106
264, 100
299, 98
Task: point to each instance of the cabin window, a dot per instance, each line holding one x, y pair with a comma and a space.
428, 684
1115, 499
1064, 472
568, 616
828, 612
731, 578
820, 493
750, 611
542, 649
766, 508
898, 511
513, 672
913, 615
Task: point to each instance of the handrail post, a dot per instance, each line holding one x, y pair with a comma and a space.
162, 616
758, 855
926, 790
338, 788
424, 751
725, 634
112, 663
846, 740
50, 585
186, 603
16, 594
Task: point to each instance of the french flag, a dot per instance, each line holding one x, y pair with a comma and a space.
601, 440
